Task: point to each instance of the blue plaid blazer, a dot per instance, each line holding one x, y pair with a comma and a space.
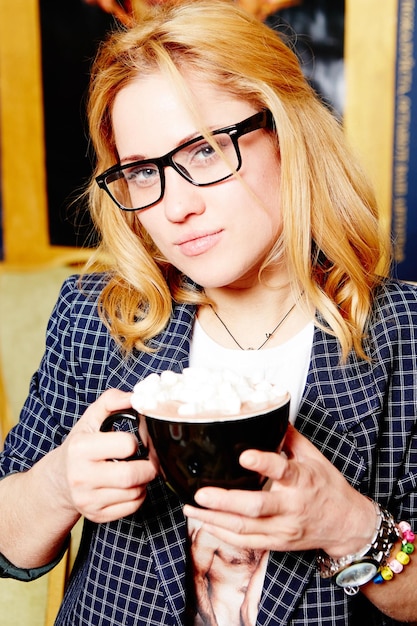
361, 415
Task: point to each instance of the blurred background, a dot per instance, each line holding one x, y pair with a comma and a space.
359, 56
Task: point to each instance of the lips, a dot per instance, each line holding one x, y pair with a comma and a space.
198, 243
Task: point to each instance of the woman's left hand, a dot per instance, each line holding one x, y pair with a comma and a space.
309, 505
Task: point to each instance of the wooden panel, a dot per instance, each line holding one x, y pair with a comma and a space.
25, 221
370, 54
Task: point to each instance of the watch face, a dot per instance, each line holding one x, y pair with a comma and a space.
357, 574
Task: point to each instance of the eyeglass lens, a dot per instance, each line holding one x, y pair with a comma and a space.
141, 184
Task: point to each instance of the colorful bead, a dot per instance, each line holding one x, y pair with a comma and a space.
408, 548
378, 580
408, 535
386, 573
396, 566
403, 526
403, 558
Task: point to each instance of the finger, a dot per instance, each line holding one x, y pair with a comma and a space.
251, 542
112, 506
271, 465
98, 446
238, 530
107, 484
123, 474
109, 401
281, 467
218, 519
299, 447
248, 504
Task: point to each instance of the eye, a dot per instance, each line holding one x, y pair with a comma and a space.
204, 153
142, 175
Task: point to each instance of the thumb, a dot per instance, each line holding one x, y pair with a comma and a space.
285, 466
110, 401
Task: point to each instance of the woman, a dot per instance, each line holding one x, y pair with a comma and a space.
240, 232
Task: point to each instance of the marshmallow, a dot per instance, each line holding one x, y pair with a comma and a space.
201, 390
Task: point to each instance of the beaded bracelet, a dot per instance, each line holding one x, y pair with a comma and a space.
396, 565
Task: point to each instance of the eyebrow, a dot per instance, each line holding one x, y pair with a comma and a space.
140, 157
131, 158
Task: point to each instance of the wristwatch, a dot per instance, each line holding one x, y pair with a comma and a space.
354, 570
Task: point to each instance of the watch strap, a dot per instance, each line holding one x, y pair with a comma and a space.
378, 550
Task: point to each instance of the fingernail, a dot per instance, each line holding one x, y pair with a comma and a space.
202, 498
187, 510
248, 458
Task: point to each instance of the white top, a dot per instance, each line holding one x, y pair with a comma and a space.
285, 365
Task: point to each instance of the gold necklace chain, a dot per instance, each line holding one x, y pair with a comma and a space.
268, 335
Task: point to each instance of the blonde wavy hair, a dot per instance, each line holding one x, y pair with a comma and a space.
330, 238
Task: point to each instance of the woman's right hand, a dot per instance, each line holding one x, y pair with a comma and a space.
41, 505
99, 489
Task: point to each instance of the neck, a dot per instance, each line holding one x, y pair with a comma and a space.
252, 318
253, 297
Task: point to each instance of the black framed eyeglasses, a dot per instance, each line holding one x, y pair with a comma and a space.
141, 184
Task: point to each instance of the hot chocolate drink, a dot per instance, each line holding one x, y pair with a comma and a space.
200, 421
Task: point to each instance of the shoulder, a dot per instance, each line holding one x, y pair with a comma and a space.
84, 286
77, 304
396, 301
395, 290
81, 291
393, 321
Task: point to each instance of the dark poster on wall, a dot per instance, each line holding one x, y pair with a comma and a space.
316, 29
404, 204
71, 31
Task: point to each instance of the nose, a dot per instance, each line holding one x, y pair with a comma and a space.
181, 198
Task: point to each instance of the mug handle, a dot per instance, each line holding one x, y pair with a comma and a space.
133, 416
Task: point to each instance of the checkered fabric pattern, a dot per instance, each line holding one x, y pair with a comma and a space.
361, 415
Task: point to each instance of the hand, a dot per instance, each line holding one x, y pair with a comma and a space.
97, 488
309, 505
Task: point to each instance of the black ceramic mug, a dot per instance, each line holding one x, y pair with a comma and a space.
196, 451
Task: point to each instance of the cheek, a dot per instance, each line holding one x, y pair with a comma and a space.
262, 181
263, 211
145, 220
150, 226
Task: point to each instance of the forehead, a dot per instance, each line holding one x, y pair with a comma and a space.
153, 115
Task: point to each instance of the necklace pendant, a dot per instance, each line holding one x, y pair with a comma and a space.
267, 335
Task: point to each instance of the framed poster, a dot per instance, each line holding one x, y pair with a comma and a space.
316, 30
70, 33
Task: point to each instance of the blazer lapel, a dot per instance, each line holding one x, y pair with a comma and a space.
287, 575
166, 529
337, 397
